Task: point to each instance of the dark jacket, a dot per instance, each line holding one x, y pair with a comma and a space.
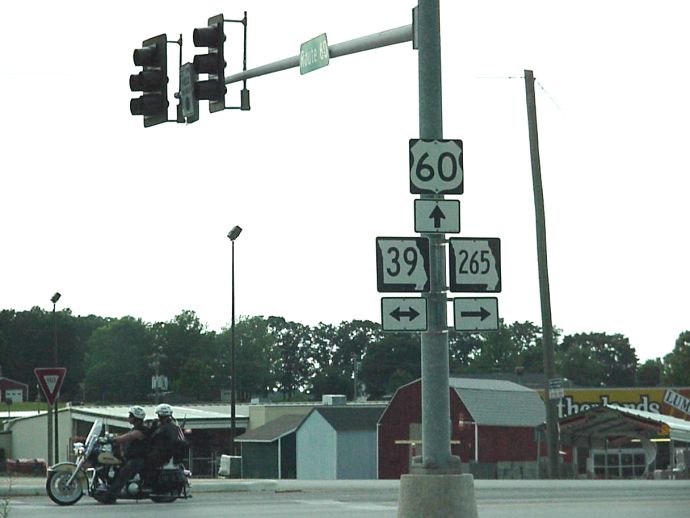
138, 448
163, 440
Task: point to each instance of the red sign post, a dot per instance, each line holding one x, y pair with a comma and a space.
50, 379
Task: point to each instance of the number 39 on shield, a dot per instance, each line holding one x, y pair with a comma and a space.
402, 264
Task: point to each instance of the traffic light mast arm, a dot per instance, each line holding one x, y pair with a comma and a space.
370, 42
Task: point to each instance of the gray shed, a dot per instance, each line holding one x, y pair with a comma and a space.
269, 450
338, 442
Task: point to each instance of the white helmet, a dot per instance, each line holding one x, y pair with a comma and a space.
164, 410
137, 412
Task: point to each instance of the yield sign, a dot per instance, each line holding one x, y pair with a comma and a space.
50, 379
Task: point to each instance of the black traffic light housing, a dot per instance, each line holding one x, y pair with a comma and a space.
213, 63
152, 81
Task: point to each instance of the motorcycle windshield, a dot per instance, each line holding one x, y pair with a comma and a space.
92, 438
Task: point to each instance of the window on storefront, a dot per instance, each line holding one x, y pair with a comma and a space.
623, 463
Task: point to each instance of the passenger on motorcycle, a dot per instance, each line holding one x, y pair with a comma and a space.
165, 436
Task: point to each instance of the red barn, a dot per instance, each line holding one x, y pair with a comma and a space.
14, 391
493, 428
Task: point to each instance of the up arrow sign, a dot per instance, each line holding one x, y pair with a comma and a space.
437, 216
476, 314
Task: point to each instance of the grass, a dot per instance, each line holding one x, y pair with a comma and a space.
29, 405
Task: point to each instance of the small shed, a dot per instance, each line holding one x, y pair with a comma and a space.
12, 391
269, 451
493, 428
338, 442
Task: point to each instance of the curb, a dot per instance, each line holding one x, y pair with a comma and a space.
233, 487
23, 491
201, 486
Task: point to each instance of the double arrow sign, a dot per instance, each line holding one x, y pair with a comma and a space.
403, 314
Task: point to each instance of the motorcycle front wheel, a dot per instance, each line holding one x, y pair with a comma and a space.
60, 491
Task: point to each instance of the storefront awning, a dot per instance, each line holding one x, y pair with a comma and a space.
616, 424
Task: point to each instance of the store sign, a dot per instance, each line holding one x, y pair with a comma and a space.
674, 402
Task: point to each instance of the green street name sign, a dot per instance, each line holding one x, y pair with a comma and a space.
313, 54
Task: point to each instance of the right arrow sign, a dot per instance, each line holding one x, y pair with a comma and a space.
476, 314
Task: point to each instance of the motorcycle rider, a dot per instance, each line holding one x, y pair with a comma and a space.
164, 435
135, 445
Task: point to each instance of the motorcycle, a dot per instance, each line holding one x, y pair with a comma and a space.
96, 468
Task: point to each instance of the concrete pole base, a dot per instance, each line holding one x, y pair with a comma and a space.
437, 496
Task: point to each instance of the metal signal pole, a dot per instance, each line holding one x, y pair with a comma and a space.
434, 488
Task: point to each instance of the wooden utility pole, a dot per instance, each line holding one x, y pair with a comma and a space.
544, 294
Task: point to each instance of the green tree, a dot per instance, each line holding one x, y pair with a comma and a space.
677, 362
291, 345
399, 378
528, 339
254, 356
649, 373
498, 352
189, 354
463, 346
116, 369
395, 352
592, 359
336, 353
330, 380
28, 343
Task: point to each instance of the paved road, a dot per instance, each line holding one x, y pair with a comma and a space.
379, 499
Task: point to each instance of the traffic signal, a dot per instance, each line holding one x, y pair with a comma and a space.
188, 108
213, 63
152, 81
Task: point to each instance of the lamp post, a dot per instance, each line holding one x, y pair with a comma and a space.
54, 300
232, 235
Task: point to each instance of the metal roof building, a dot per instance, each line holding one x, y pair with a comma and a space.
338, 442
269, 451
499, 402
612, 441
209, 427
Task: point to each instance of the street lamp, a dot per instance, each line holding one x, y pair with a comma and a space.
232, 235
54, 300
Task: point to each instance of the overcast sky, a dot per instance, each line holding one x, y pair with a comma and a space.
124, 220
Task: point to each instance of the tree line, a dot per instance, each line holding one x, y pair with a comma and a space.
112, 359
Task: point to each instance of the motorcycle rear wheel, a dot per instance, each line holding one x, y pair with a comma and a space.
163, 499
62, 493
